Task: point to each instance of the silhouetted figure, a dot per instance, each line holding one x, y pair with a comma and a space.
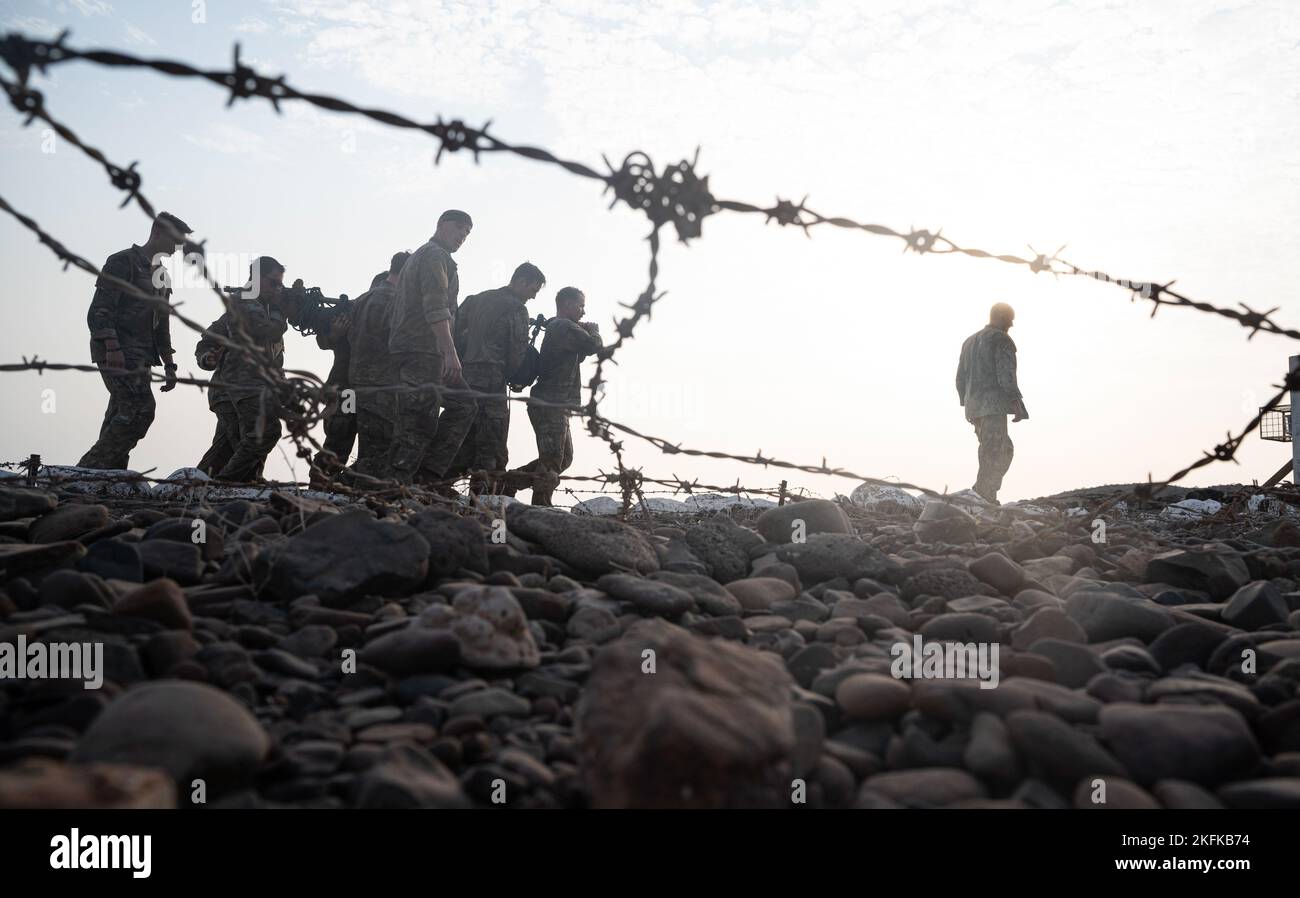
986, 386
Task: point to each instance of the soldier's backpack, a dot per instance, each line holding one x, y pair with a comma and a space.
530, 367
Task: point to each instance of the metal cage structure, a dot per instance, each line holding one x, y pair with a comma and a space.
1275, 424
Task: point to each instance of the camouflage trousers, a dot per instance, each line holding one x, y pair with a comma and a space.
255, 423
415, 421
484, 420
995, 453
340, 433
223, 443
130, 411
375, 414
554, 450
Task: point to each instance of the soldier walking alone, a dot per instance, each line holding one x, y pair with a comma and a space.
129, 334
986, 386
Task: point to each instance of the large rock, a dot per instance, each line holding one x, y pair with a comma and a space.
16, 502
190, 730
454, 542
826, 556
592, 544
941, 522
1256, 606
350, 555
1205, 745
1216, 571
178, 561
778, 525
723, 547
710, 595
884, 498
948, 583
490, 627
113, 559
712, 726
1000, 572
761, 593
1105, 616
67, 522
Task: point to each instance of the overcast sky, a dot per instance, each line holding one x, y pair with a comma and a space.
1157, 140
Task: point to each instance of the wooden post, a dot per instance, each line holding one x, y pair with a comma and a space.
782, 496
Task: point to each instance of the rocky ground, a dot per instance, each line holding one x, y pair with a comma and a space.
308, 653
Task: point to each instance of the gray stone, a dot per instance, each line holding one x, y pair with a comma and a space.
1178, 795
1256, 606
931, 787
826, 556
67, 522
990, 754
594, 544
1215, 571
649, 596
1205, 745
947, 583
1185, 643
350, 555
190, 730
1280, 792
491, 702
760, 593
406, 776
162, 601
1057, 751
709, 595
1105, 616
873, 696
712, 727
413, 650
113, 559
777, 525
16, 502
961, 627
490, 627
723, 547
181, 562
941, 522
1045, 623
455, 542
1075, 664
1000, 572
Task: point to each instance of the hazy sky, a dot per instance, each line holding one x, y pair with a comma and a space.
1157, 140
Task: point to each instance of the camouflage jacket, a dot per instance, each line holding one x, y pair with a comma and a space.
141, 328
564, 347
237, 373
371, 363
426, 294
491, 336
986, 374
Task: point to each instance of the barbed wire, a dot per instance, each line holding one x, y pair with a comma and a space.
676, 195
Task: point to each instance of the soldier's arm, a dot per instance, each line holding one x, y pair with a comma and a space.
516, 339
208, 349
162, 334
103, 306
588, 343
258, 323
1004, 364
961, 377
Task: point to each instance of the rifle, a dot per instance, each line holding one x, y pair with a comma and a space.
307, 309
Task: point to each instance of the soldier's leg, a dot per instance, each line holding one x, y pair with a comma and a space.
126, 421
454, 425
550, 426
491, 452
223, 442
259, 431
340, 434
995, 452
416, 414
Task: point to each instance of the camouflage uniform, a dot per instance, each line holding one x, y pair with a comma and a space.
372, 373
143, 333
426, 294
986, 386
340, 425
245, 403
491, 337
564, 347
224, 439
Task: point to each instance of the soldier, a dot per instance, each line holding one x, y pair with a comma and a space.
130, 334
986, 386
371, 371
340, 423
245, 403
491, 335
207, 352
568, 341
420, 339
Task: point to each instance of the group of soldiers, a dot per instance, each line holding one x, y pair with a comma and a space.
420, 379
